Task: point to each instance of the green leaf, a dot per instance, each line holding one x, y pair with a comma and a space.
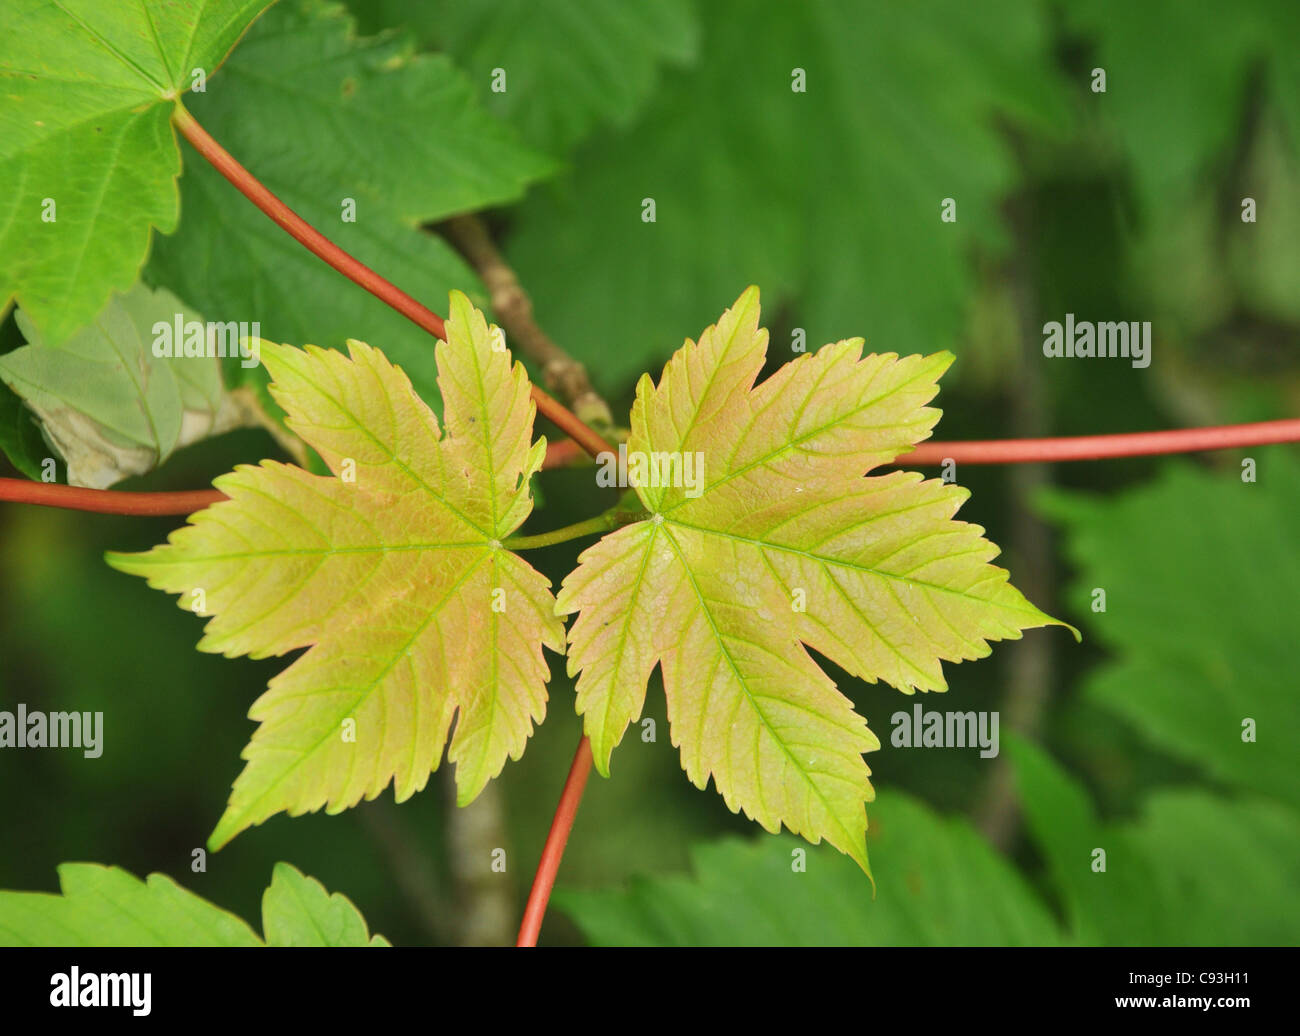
835, 209
85, 96
1175, 128
775, 544
20, 435
1188, 674
321, 116
1177, 875
297, 911
391, 571
1191, 141
106, 906
108, 403
569, 65
939, 885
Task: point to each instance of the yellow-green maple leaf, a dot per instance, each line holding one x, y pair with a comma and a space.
782, 543
392, 573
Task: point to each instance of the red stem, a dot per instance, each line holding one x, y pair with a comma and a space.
556, 840
1101, 447
928, 454
300, 230
561, 454
106, 501
322, 247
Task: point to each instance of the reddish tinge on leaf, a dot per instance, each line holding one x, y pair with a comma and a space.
775, 544
391, 572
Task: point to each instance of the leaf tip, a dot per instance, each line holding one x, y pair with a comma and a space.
228, 826
132, 564
944, 359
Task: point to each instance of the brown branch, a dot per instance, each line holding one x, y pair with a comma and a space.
512, 306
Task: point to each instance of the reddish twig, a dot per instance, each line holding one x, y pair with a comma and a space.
564, 451
299, 229
322, 247
1103, 447
561, 453
553, 850
106, 501
514, 309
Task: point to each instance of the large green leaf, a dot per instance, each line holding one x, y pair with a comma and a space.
939, 884
106, 906
569, 65
1174, 128
1182, 136
85, 97
319, 116
1193, 869
1202, 586
830, 198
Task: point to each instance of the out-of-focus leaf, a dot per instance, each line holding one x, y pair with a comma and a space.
111, 406
829, 198
939, 884
20, 435
1179, 135
568, 65
1202, 586
1193, 869
298, 911
1175, 127
106, 906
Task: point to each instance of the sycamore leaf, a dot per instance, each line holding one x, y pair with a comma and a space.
88, 161
1185, 677
298, 911
106, 906
392, 573
941, 884
108, 404
1175, 871
844, 116
572, 64
776, 544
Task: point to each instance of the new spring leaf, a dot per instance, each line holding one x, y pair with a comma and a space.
391, 572
782, 545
